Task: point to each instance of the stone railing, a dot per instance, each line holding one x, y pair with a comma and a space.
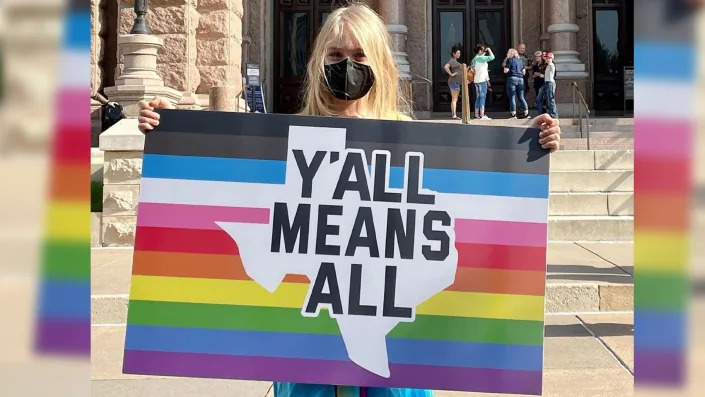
123, 146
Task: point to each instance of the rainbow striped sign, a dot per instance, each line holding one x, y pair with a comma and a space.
425, 245
64, 309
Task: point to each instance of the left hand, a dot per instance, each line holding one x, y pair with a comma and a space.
550, 135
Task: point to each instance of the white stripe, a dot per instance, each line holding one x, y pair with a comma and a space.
236, 194
75, 69
664, 99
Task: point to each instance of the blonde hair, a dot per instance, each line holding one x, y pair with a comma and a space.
513, 52
368, 29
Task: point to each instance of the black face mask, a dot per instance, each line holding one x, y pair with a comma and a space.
349, 80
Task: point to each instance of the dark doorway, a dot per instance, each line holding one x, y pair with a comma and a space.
296, 24
613, 51
466, 23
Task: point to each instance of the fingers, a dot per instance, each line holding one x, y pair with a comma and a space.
160, 103
550, 138
547, 120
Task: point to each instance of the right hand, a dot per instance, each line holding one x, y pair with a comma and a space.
148, 119
454, 74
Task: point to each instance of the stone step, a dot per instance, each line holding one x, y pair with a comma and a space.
597, 143
591, 204
590, 228
588, 160
592, 181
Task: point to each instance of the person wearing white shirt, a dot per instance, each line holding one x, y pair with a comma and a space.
480, 64
549, 88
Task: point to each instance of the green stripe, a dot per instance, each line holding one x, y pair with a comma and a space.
661, 291
66, 260
177, 314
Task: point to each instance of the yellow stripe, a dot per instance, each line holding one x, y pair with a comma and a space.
661, 251
475, 304
292, 295
68, 221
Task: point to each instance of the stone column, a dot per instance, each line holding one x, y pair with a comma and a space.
175, 23
139, 79
393, 12
219, 44
563, 42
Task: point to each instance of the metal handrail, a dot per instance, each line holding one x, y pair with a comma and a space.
582, 106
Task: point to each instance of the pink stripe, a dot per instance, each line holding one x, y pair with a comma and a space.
662, 137
74, 105
523, 234
197, 216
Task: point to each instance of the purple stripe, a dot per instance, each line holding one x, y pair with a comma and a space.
330, 372
63, 336
658, 367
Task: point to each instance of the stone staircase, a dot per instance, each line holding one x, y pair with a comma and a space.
592, 195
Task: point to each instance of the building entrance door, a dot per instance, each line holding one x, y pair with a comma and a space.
613, 51
296, 24
466, 23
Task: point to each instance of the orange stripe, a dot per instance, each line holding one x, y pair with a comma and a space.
70, 181
498, 281
661, 211
174, 264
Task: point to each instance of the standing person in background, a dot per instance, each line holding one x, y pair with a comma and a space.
453, 70
537, 69
549, 89
521, 50
480, 64
515, 72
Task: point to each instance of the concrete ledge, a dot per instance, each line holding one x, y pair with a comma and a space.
591, 204
124, 136
592, 181
591, 228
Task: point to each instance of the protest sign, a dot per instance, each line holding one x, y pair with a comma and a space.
340, 251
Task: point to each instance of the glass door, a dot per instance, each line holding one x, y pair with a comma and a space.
466, 23
613, 48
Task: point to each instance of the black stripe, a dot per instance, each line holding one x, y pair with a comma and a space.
459, 158
361, 130
447, 146
254, 147
216, 145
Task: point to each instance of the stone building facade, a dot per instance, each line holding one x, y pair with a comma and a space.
207, 43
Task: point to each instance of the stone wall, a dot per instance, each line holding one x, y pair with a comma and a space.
219, 44
123, 147
202, 41
419, 49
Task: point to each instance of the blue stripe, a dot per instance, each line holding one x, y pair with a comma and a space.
77, 31
65, 299
477, 182
330, 347
660, 330
214, 169
647, 67
274, 172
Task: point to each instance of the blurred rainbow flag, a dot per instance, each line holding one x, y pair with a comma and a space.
63, 323
664, 131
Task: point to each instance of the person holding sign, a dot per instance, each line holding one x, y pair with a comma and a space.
351, 73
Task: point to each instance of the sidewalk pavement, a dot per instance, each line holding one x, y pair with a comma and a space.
586, 355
